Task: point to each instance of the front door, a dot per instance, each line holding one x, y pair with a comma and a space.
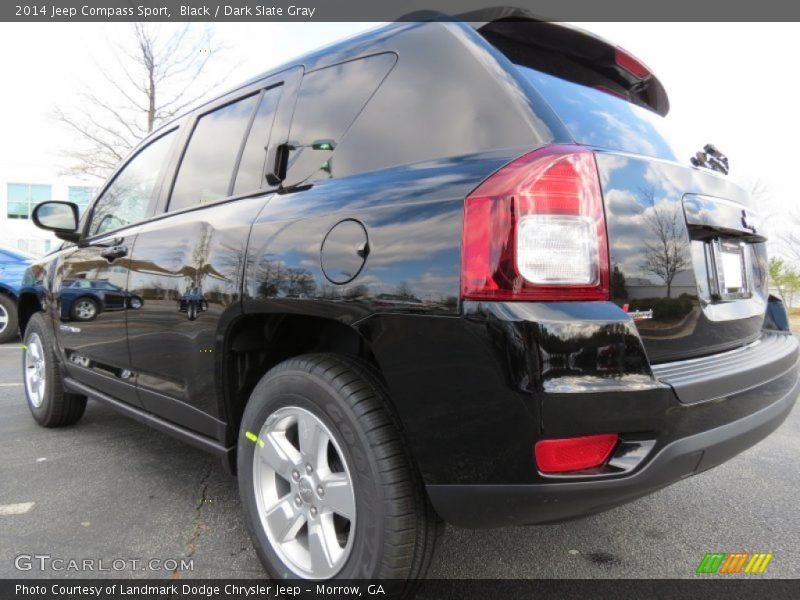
91, 304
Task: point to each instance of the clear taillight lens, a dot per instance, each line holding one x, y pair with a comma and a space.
535, 230
557, 250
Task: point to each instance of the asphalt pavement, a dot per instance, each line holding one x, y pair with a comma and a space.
109, 488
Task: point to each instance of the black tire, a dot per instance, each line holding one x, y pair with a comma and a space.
75, 305
57, 408
8, 306
396, 528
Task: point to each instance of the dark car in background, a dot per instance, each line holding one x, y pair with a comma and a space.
85, 299
452, 272
13, 263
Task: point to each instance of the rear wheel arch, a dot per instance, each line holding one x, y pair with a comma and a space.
256, 343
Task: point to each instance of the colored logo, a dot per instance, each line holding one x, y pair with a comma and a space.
638, 315
737, 562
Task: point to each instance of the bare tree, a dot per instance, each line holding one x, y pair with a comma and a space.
779, 224
761, 194
789, 241
156, 77
666, 256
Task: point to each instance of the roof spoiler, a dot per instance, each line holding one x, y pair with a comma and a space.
562, 50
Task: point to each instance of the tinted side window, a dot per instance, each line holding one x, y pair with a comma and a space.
327, 104
251, 166
207, 166
125, 201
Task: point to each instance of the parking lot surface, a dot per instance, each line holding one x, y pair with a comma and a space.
109, 488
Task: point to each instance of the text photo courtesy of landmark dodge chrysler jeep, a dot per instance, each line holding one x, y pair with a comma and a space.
439, 271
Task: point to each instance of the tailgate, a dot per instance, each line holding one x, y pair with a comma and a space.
688, 262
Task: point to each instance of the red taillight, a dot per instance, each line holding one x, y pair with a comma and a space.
535, 230
608, 90
631, 64
574, 454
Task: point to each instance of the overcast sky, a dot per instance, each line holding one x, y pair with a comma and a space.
732, 84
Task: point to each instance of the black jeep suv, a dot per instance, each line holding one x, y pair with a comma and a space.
439, 271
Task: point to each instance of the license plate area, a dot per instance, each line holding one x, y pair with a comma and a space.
729, 272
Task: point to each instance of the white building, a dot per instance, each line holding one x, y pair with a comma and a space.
21, 190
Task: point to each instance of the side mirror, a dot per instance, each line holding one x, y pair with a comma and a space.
59, 217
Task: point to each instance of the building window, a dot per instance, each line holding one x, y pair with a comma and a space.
81, 196
22, 197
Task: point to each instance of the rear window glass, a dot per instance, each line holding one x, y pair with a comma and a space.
597, 118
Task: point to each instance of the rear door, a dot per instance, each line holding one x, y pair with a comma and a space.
187, 265
91, 327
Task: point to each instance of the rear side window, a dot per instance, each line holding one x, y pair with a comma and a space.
207, 167
327, 104
251, 167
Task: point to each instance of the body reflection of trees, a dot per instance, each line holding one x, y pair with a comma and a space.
619, 289
666, 255
276, 279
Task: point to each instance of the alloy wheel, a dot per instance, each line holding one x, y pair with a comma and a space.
85, 310
35, 373
304, 493
3, 318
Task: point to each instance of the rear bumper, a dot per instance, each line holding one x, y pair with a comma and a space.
474, 394
500, 505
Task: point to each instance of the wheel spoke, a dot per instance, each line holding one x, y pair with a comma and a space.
279, 454
313, 441
34, 350
322, 545
285, 520
339, 495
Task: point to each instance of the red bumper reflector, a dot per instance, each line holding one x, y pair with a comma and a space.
574, 454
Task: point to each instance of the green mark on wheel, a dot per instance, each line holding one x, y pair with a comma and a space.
254, 438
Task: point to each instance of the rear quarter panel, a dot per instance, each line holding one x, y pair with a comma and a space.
413, 218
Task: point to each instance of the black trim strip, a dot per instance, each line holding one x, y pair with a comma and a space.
176, 411
190, 437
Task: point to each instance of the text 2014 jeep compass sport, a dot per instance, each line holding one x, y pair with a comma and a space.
438, 270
